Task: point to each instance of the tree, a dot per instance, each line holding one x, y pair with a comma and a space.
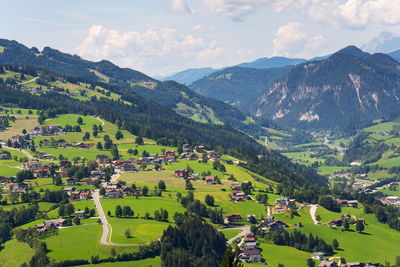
99, 146
359, 226
118, 211
102, 191
69, 209
128, 233
57, 180
189, 185
346, 225
209, 200
139, 140
61, 210
114, 152
86, 136
161, 185
230, 260
79, 120
310, 262
335, 244
145, 191
77, 221
127, 211
179, 218
119, 135
23, 175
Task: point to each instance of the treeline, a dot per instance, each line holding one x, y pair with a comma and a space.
300, 241
193, 243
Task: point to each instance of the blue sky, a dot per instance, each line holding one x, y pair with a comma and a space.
160, 37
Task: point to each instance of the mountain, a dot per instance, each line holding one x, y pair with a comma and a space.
350, 85
395, 55
237, 85
169, 94
190, 75
385, 42
273, 62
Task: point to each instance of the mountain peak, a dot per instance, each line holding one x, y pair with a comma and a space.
352, 50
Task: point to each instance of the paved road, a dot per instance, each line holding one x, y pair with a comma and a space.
313, 210
245, 231
107, 229
26, 153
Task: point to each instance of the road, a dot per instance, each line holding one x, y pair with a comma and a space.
115, 177
26, 153
107, 229
34, 79
313, 210
245, 231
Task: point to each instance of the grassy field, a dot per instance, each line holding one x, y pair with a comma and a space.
352, 244
230, 233
15, 253
17, 127
84, 239
141, 230
381, 127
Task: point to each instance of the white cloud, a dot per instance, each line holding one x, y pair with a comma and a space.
356, 14
180, 6
154, 51
293, 40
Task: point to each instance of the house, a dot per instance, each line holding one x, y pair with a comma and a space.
232, 218
128, 167
318, 256
80, 214
328, 264
70, 181
337, 222
186, 147
5, 155
276, 226
250, 255
84, 195
236, 186
210, 180
181, 174
89, 181
169, 153
102, 159
361, 264
69, 190
96, 173
352, 203
55, 223
113, 193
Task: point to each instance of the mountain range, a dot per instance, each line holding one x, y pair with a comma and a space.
169, 94
350, 85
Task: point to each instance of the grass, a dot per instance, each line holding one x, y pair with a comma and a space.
230, 233
354, 246
142, 230
15, 253
80, 242
17, 127
381, 127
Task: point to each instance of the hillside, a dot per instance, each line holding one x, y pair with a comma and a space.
348, 86
238, 85
272, 62
169, 94
190, 75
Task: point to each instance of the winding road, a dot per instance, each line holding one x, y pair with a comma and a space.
245, 230
313, 210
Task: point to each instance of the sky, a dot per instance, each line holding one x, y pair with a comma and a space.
160, 37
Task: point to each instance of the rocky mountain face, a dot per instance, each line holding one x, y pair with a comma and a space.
350, 85
238, 85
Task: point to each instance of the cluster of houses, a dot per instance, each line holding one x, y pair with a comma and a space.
272, 225
48, 130
39, 169
249, 252
237, 195
347, 203
77, 194
118, 191
339, 222
390, 200
328, 263
5, 155
9, 183
284, 205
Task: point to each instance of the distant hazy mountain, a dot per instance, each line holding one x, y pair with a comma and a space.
395, 55
190, 75
238, 85
273, 62
385, 42
349, 85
